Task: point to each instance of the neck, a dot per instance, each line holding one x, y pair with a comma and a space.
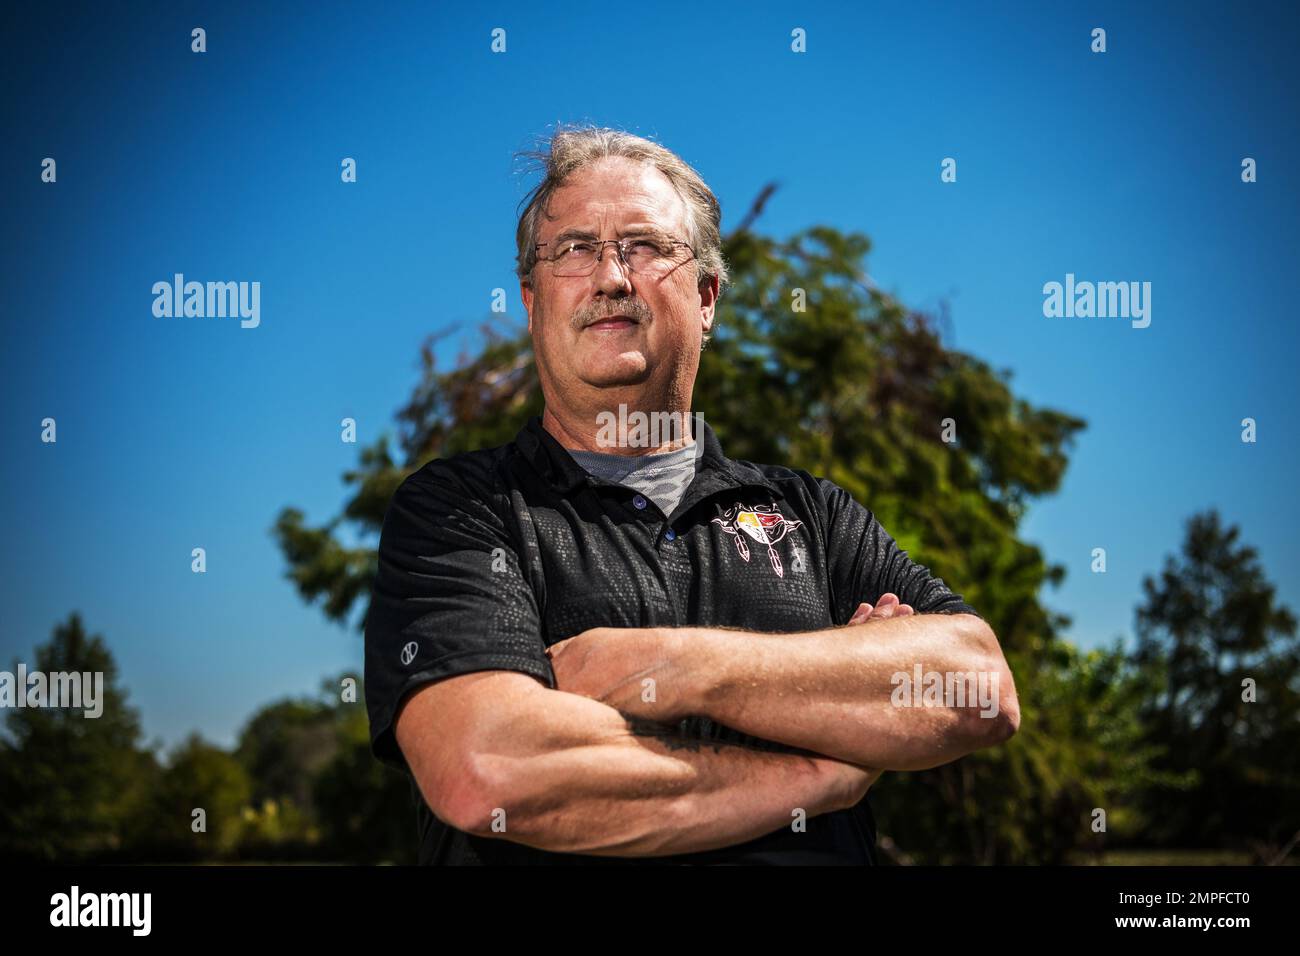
626, 429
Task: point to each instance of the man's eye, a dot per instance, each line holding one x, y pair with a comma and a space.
579, 247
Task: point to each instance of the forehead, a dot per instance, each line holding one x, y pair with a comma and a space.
613, 193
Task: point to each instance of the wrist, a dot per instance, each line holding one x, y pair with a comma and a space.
705, 656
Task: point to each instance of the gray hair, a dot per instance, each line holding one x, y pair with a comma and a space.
572, 148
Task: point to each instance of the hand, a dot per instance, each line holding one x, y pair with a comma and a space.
886, 606
640, 671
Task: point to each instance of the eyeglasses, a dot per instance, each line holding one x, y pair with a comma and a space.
644, 255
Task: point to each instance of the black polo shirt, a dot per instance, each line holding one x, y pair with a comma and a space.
489, 557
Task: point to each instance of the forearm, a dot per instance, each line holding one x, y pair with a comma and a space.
586, 779
846, 692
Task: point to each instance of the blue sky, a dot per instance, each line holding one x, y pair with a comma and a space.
176, 433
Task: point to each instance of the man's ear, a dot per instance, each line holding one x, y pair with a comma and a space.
708, 303
526, 294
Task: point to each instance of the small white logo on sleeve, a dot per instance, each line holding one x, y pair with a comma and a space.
102, 909
409, 652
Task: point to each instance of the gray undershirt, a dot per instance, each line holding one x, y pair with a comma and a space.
661, 478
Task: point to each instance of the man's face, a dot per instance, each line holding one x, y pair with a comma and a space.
657, 345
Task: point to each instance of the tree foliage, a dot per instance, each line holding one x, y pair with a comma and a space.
70, 786
1225, 707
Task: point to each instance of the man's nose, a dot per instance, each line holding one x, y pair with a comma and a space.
611, 273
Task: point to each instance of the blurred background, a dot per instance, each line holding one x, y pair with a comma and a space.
391, 301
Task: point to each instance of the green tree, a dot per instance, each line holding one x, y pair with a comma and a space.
1209, 627
813, 366
367, 812
198, 776
283, 746
71, 786
315, 789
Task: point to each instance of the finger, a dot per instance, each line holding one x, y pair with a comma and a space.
889, 597
861, 614
904, 609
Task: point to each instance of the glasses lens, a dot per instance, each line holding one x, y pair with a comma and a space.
645, 254
650, 254
574, 257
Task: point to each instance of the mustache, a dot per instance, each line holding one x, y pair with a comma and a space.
638, 312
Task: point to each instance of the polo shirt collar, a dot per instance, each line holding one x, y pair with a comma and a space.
553, 462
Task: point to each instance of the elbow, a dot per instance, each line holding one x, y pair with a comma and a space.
1005, 720
460, 805
468, 812
991, 721
477, 803
462, 793
1001, 721
987, 723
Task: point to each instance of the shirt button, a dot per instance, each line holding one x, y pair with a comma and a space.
639, 502
670, 534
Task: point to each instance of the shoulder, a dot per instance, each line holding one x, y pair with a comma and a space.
465, 480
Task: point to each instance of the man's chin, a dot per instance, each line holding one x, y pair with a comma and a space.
630, 368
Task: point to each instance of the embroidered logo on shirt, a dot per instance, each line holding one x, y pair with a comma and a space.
763, 523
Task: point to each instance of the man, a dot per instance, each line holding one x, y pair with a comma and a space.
589, 648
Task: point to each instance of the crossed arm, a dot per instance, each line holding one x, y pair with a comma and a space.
847, 692
592, 763
595, 767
